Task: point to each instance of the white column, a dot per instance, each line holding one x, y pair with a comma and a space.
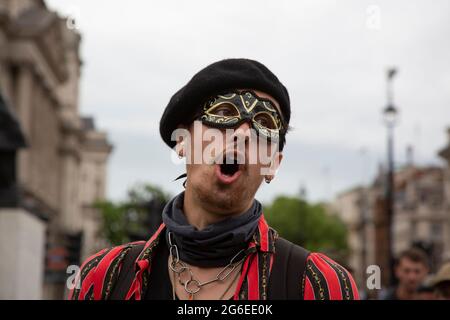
22, 250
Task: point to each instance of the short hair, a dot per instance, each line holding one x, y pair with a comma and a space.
414, 254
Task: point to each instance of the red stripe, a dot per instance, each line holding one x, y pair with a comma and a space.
83, 265
135, 243
253, 279
86, 291
92, 257
137, 282
334, 287
154, 236
101, 270
309, 292
143, 264
87, 284
133, 289
264, 234
242, 277
354, 287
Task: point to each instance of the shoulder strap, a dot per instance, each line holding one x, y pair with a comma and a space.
126, 274
287, 271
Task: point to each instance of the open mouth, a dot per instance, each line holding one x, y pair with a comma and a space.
229, 169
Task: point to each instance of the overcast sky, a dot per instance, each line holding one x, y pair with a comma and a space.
331, 55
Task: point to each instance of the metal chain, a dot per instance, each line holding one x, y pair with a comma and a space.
231, 283
193, 286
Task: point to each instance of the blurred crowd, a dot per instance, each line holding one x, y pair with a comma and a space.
415, 282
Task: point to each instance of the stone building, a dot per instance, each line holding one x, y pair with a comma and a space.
356, 209
421, 218
62, 172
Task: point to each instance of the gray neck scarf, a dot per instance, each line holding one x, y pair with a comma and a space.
215, 245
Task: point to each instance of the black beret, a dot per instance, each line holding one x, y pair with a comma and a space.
228, 74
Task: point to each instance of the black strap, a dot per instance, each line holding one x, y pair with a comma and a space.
126, 275
285, 281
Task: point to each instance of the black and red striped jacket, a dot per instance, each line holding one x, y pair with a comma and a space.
323, 278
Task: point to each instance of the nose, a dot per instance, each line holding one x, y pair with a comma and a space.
242, 132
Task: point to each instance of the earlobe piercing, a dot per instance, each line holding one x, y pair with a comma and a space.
180, 151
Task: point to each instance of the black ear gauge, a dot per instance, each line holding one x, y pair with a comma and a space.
184, 175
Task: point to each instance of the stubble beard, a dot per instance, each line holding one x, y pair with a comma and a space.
222, 199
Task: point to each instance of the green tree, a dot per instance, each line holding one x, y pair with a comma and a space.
308, 225
126, 220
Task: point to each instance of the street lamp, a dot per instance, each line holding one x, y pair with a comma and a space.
390, 115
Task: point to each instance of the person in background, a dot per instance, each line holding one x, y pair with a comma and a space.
411, 269
426, 290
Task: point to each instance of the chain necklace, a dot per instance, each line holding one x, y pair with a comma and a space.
193, 286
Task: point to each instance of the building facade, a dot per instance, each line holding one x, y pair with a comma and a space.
62, 171
356, 209
421, 219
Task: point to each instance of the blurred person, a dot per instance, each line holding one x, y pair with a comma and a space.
441, 282
426, 290
214, 242
411, 269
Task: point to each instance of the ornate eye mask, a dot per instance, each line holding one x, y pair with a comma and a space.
231, 109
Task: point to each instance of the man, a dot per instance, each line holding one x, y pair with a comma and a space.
411, 270
229, 122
